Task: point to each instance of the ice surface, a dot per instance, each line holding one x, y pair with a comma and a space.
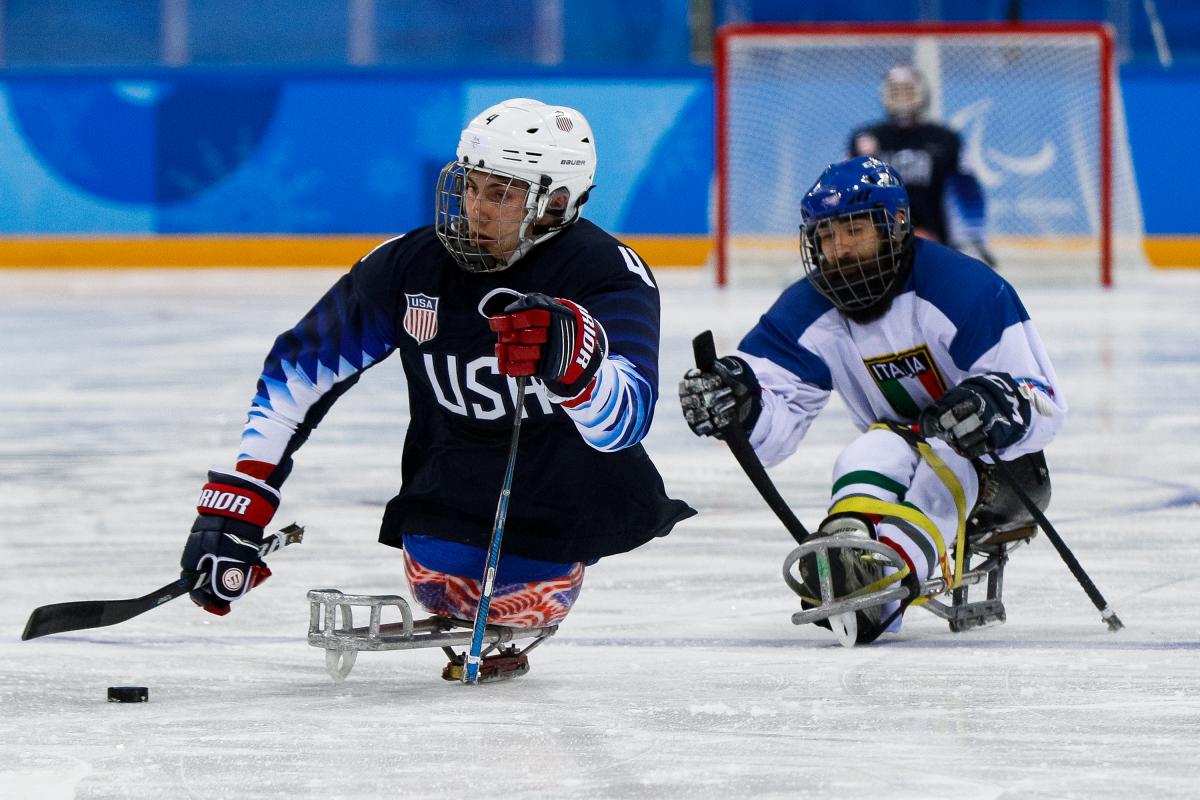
678, 674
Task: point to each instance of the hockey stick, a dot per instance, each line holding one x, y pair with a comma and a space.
705, 350
471, 672
1106, 613
77, 616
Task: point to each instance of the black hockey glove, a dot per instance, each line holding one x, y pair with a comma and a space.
712, 401
225, 539
552, 339
983, 414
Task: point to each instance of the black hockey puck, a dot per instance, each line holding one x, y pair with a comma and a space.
128, 694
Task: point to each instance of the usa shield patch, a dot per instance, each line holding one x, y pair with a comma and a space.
420, 318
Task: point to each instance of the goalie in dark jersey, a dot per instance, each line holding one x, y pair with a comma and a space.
947, 202
570, 306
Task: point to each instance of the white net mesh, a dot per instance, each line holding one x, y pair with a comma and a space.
1028, 108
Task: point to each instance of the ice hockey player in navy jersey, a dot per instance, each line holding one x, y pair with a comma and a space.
913, 336
946, 201
569, 306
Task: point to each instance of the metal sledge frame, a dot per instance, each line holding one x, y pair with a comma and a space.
331, 627
819, 546
960, 613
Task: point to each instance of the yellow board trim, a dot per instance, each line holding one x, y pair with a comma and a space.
204, 250
1173, 252
277, 250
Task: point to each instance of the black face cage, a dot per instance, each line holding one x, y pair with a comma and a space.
856, 283
453, 226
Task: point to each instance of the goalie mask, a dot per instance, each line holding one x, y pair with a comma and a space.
904, 93
855, 234
523, 172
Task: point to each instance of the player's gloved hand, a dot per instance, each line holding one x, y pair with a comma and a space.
224, 542
712, 401
982, 414
552, 339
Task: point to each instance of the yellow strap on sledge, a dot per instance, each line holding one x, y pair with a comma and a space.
954, 486
871, 505
862, 504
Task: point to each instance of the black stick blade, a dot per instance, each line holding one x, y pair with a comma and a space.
704, 348
63, 617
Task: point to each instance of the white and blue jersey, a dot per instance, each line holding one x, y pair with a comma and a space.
583, 487
954, 318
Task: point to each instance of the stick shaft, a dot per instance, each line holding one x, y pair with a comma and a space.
705, 351
1106, 613
84, 614
471, 673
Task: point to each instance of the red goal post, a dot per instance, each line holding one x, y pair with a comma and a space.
1036, 104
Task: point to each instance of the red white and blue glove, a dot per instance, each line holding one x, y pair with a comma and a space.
223, 547
551, 339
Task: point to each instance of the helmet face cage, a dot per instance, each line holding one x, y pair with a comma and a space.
493, 230
855, 232
904, 92
545, 151
856, 258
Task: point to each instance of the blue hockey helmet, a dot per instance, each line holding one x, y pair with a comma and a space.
855, 233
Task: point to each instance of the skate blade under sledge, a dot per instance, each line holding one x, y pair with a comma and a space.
839, 610
507, 664
331, 627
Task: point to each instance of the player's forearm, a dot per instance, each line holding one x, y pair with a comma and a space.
779, 430
282, 416
1022, 355
789, 406
618, 412
308, 368
265, 438
1047, 413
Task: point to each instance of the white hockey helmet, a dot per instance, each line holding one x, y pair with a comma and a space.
547, 150
904, 92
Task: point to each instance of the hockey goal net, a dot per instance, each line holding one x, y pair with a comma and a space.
1037, 106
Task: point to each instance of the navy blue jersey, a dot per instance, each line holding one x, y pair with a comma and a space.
583, 487
925, 155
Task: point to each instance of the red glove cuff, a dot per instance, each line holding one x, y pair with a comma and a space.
235, 502
583, 350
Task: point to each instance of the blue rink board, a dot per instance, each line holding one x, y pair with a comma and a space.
235, 152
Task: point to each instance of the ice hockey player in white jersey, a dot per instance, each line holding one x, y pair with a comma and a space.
917, 339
